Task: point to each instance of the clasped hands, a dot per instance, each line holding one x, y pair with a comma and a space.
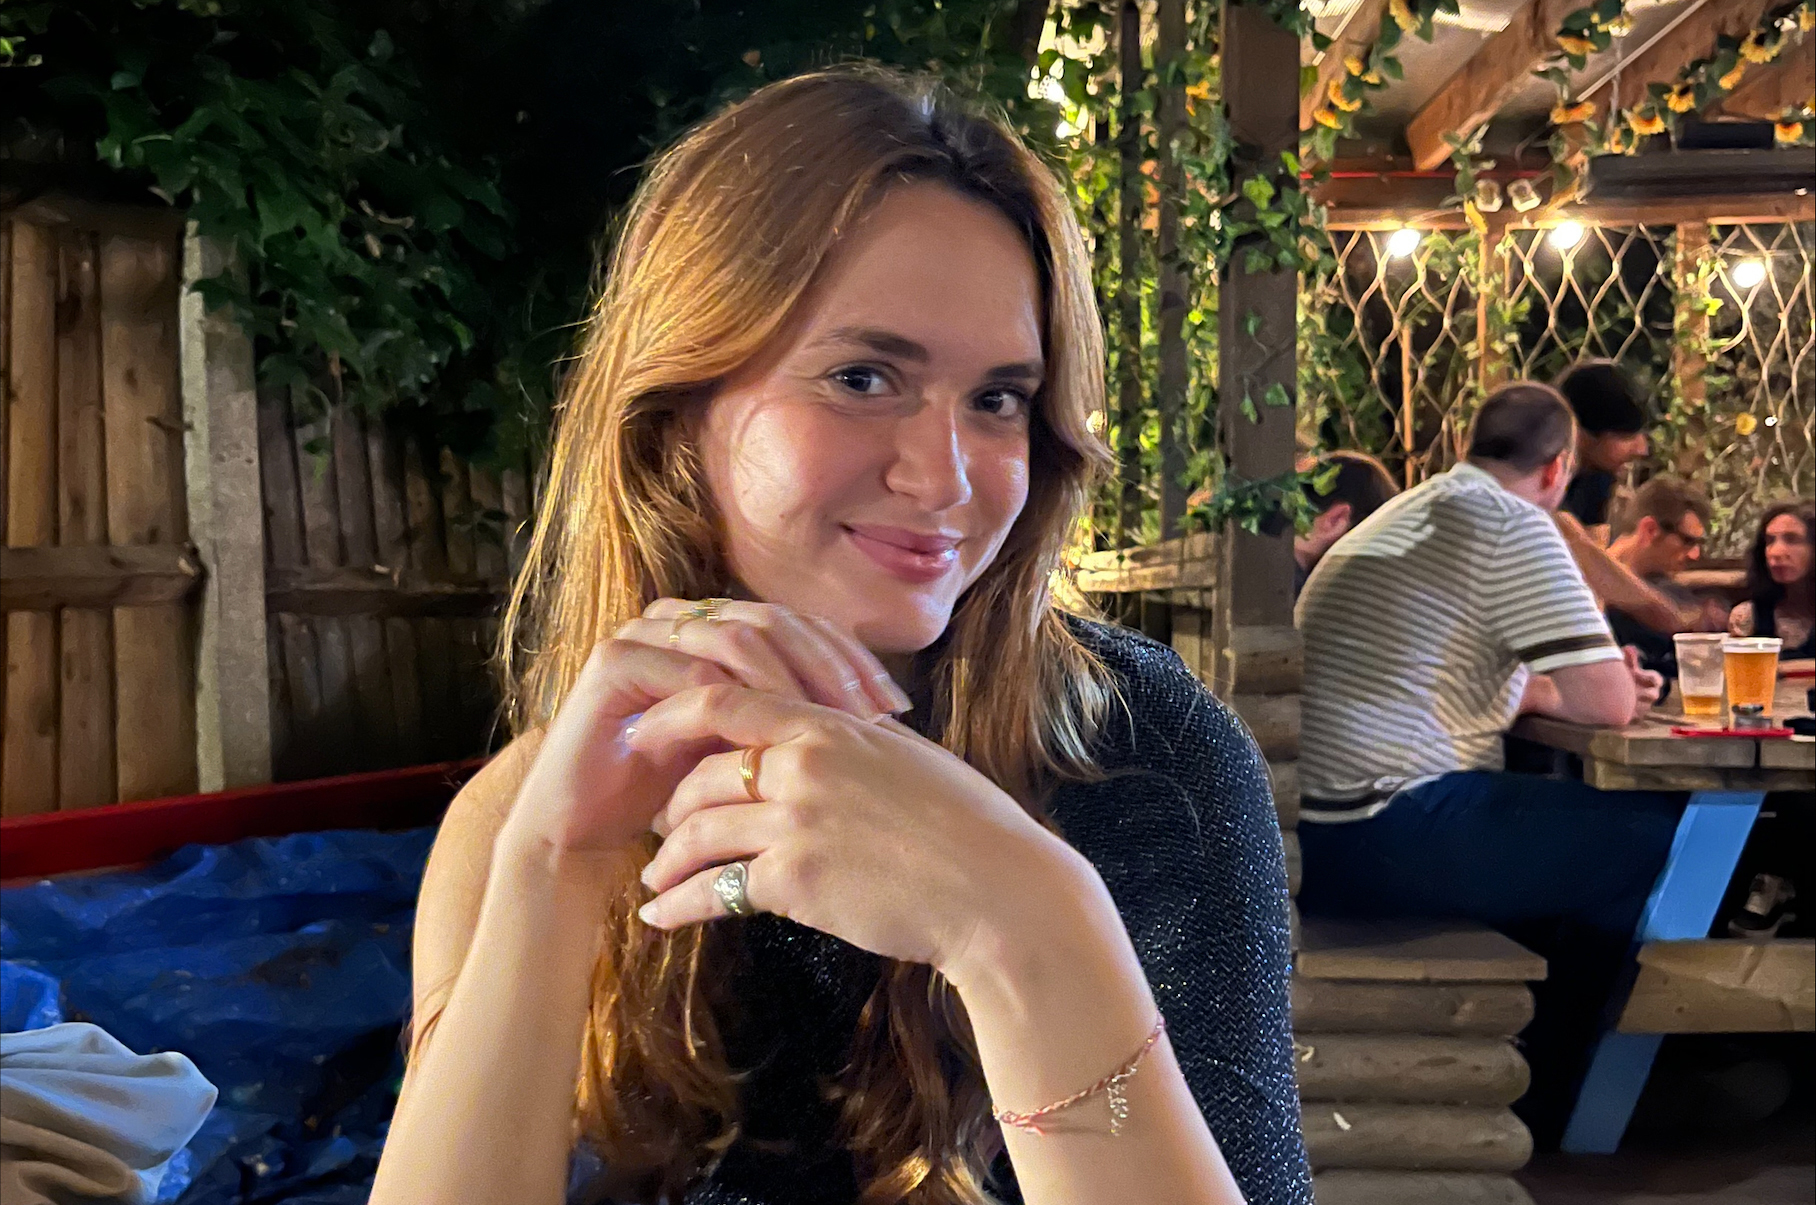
858, 827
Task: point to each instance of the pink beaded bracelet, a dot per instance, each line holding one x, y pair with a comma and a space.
1112, 1083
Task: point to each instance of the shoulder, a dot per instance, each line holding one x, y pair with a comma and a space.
1740, 619
1164, 720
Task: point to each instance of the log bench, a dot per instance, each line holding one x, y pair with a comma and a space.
1403, 1031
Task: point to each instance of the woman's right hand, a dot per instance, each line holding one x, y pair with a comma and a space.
589, 794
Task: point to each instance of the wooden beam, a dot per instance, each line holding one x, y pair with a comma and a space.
373, 590
1767, 90
119, 575
1690, 40
1496, 72
1738, 210
1171, 387
1356, 33
1184, 563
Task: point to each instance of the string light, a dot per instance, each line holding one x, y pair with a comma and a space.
1566, 235
1402, 242
1749, 272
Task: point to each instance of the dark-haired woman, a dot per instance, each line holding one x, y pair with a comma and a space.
1781, 583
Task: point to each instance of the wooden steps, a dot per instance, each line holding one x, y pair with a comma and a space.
1403, 1031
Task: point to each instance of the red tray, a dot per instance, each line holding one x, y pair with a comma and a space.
127, 834
1752, 734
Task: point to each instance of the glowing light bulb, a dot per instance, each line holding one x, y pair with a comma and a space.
1566, 235
1402, 242
1749, 272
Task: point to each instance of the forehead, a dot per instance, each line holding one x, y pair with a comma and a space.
1786, 525
937, 267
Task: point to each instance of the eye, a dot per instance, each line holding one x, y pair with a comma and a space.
861, 379
1003, 403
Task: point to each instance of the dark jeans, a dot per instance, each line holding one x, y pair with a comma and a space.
1560, 867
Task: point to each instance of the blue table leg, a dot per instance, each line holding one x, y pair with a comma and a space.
1682, 906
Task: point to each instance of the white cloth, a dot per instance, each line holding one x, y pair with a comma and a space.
1420, 629
83, 1118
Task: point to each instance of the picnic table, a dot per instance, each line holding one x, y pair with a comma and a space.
1686, 983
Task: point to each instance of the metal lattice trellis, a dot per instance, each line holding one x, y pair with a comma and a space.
1390, 363
1762, 373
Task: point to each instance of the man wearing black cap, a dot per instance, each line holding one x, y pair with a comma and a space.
1610, 435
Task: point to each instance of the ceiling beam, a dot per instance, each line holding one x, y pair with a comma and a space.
1355, 34
1738, 210
1496, 72
1766, 91
1692, 39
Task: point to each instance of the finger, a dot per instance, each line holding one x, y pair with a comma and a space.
730, 715
740, 649
837, 673
713, 837
717, 779
887, 692
694, 902
623, 676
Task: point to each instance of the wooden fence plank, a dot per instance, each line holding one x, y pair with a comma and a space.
28, 767
284, 546
86, 774
434, 639
340, 746
146, 504
384, 460
472, 690
376, 713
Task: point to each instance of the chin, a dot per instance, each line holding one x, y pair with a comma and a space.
904, 629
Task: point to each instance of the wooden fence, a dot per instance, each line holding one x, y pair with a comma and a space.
384, 560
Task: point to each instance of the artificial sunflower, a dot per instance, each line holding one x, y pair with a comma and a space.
1681, 99
1647, 122
1564, 113
1731, 80
1339, 100
1403, 15
1806, 18
1745, 424
1788, 133
1573, 45
1353, 64
1325, 117
1755, 51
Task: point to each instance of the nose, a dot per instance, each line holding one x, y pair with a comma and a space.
932, 463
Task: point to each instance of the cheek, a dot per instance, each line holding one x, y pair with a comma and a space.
1000, 481
774, 469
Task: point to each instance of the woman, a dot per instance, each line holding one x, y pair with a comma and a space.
842, 371
1780, 582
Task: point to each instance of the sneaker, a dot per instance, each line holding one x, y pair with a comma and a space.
1765, 909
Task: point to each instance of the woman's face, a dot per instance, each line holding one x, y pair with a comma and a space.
1787, 550
869, 465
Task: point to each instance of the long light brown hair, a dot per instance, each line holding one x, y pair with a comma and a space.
725, 235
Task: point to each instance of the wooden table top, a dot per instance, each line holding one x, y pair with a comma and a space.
1646, 756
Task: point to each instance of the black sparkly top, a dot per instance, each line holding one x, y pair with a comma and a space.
1184, 834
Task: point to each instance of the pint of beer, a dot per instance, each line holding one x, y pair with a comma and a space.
1752, 669
1699, 672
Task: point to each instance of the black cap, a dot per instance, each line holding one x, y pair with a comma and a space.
1603, 398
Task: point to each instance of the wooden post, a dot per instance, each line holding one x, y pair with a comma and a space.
1169, 58
1260, 78
226, 522
1128, 292
1690, 327
1490, 361
1409, 428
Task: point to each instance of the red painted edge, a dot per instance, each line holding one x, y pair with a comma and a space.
126, 834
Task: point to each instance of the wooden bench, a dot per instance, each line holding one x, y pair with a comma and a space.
1404, 1037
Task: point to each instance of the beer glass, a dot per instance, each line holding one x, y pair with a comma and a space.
1752, 669
1699, 672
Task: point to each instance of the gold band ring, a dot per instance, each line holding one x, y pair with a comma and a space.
707, 609
674, 633
748, 770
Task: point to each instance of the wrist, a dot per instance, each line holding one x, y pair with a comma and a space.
1057, 930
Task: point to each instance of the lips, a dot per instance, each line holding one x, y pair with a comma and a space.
917, 557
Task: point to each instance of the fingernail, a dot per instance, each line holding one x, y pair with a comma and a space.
902, 701
647, 913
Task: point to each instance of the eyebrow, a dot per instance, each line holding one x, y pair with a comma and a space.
891, 344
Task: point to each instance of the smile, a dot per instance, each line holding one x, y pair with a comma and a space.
908, 555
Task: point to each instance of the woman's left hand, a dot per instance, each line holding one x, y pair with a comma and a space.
866, 831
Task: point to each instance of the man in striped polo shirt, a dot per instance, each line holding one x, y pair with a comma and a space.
1428, 630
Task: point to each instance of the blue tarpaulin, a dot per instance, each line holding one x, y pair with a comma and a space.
281, 966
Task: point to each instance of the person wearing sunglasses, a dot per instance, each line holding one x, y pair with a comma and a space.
1662, 530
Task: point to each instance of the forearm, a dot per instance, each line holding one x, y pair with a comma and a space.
1618, 586
487, 1111
1058, 1002
1540, 696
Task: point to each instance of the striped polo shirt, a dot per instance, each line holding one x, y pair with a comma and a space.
1420, 629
